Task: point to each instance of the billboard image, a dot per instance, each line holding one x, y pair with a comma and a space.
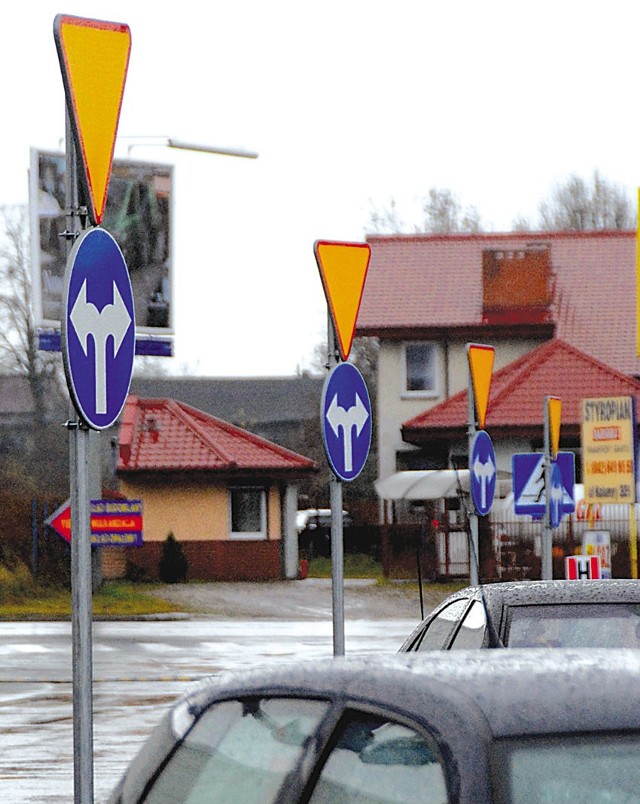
139, 216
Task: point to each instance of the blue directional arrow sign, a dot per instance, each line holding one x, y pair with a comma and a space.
528, 482
483, 472
556, 496
98, 328
346, 421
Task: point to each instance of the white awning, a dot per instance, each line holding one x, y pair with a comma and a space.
423, 484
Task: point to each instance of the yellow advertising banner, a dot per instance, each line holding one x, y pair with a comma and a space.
608, 449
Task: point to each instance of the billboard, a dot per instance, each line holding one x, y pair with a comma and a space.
139, 216
609, 449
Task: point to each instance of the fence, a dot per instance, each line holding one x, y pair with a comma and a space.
510, 545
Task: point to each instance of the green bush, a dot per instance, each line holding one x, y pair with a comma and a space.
173, 564
15, 582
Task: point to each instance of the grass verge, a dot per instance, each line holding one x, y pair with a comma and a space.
356, 565
118, 599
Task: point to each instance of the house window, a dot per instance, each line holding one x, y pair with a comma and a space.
248, 513
420, 366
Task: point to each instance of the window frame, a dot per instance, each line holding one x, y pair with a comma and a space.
351, 711
260, 535
408, 393
417, 643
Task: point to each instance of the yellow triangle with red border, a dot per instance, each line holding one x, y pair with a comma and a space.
94, 58
343, 269
554, 414
480, 359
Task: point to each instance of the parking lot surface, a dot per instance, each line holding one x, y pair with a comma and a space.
309, 599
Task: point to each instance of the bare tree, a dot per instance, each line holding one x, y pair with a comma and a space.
385, 220
44, 444
443, 214
19, 352
585, 205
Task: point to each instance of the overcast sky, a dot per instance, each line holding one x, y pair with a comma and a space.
349, 103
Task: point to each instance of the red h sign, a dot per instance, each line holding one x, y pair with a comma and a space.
582, 568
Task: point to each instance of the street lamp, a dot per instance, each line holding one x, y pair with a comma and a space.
174, 142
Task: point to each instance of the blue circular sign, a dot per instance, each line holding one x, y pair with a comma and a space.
556, 496
98, 328
346, 420
483, 471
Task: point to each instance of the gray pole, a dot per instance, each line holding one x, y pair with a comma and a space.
81, 602
474, 559
337, 535
547, 530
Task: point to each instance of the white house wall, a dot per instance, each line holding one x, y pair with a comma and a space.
396, 407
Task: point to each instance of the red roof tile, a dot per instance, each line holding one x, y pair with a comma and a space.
518, 390
165, 435
435, 281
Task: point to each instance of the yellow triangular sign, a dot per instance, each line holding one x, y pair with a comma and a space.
480, 367
94, 57
343, 270
554, 414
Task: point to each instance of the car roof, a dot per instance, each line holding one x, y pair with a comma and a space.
463, 699
518, 692
518, 593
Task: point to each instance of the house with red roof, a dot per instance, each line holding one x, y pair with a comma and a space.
427, 296
228, 496
514, 417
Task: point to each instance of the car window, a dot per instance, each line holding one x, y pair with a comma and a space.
437, 631
377, 761
471, 631
582, 769
593, 625
238, 751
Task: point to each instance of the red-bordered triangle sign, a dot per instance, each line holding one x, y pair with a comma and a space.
554, 414
343, 270
94, 58
480, 358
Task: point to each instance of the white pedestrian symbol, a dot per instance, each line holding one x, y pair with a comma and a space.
347, 419
113, 320
533, 491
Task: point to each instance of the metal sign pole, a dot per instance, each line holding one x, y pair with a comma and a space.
474, 556
81, 602
337, 529
547, 530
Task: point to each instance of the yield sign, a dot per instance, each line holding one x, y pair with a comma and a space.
553, 413
94, 57
480, 366
343, 270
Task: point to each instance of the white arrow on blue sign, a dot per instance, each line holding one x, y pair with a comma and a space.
483, 472
98, 328
556, 496
528, 482
346, 420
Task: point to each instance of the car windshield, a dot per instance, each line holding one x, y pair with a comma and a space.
597, 625
582, 769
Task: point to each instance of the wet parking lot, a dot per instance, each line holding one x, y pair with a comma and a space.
138, 669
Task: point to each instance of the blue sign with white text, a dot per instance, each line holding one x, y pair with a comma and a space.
346, 421
483, 472
98, 328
